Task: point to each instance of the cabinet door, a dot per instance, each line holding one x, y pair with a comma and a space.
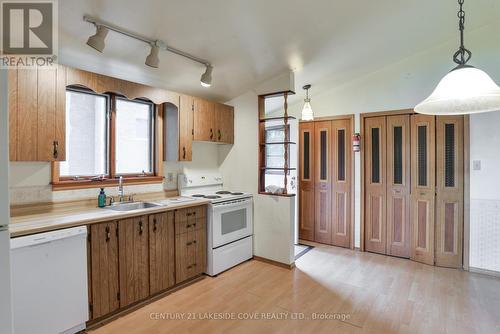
323, 182
224, 123
104, 282
161, 251
204, 120
186, 128
375, 184
306, 181
341, 182
200, 252
134, 259
423, 182
398, 185
37, 114
450, 191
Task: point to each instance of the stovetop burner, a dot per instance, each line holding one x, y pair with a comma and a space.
212, 196
197, 195
223, 192
237, 193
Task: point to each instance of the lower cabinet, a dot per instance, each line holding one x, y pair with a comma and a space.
132, 259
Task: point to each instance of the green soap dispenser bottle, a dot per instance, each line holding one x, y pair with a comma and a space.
101, 199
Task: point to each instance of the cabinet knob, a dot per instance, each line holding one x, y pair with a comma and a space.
108, 234
211, 133
183, 152
154, 225
141, 228
220, 135
56, 149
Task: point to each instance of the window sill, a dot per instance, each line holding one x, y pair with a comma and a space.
279, 195
87, 184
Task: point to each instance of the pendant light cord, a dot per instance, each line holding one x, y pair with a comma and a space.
463, 55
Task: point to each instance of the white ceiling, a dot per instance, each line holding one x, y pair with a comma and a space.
250, 41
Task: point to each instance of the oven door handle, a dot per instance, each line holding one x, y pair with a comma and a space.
225, 207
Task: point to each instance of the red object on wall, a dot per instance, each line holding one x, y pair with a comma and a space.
356, 142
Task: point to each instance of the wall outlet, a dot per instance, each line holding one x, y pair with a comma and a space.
476, 165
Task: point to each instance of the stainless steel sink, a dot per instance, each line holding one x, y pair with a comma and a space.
132, 206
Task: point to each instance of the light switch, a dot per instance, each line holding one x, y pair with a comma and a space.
476, 165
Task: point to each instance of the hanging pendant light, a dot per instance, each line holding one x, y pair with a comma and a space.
466, 89
307, 112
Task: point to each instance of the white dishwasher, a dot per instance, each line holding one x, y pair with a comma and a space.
49, 282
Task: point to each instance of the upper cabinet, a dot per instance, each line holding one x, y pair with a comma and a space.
37, 114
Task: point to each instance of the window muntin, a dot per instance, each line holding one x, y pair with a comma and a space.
134, 137
275, 153
87, 127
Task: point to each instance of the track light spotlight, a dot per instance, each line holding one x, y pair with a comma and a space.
206, 78
97, 41
152, 59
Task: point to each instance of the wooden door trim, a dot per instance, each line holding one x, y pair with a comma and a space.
466, 199
362, 117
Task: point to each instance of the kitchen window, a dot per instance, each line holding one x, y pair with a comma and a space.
107, 136
275, 153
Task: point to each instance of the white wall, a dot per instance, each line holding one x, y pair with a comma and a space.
485, 192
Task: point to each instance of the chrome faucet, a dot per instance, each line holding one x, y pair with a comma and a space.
120, 189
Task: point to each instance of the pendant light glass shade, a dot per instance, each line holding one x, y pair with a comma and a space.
307, 112
465, 90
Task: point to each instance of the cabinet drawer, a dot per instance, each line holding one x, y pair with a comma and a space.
190, 219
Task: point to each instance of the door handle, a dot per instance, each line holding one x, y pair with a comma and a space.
56, 149
183, 152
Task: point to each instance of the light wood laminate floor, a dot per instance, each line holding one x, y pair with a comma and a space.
374, 294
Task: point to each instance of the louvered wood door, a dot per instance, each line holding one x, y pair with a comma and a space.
398, 185
323, 182
104, 282
423, 187
161, 251
306, 181
375, 184
450, 190
134, 259
341, 182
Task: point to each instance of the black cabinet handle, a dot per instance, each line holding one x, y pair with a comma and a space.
108, 234
141, 228
183, 152
220, 135
154, 225
189, 243
211, 134
56, 149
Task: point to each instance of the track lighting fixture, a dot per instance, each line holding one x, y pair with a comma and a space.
206, 78
97, 41
152, 59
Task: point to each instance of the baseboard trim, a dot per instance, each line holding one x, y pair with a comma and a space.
484, 272
275, 263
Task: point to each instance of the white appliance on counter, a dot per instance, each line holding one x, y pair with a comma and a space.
229, 221
49, 282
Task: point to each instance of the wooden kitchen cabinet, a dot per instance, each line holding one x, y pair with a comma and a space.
204, 120
37, 116
186, 128
161, 251
224, 123
103, 269
133, 234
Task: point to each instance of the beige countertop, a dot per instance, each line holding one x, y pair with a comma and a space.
73, 216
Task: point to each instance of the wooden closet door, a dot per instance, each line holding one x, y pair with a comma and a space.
450, 190
323, 182
375, 184
306, 181
398, 185
423, 187
341, 182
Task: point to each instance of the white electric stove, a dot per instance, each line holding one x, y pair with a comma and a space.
229, 222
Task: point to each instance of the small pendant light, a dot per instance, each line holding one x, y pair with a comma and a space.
466, 89
307, 112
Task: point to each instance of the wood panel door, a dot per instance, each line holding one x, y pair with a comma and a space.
186, 128
341, 155
224, 123
375, 184
204, 120
103, 273
323, 182
134, 259
398, 185
449, 190
423, 182
161, 251
306, 181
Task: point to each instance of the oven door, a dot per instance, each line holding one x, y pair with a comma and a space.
232, 221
